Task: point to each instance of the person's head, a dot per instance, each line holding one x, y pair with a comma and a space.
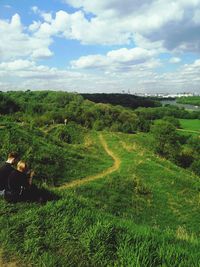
22, 166
12, 157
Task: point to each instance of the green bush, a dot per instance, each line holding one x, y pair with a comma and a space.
166, 140
72, 133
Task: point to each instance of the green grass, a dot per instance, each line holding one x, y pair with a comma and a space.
193, 100
147, 189
193, 125
71, 232
190, 127
145, 214
55, 162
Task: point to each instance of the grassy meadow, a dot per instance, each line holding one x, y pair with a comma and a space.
144, 214
191, 125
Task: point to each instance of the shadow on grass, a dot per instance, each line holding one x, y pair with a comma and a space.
33, 195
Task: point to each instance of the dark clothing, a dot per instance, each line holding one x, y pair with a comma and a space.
17, 182
5, 171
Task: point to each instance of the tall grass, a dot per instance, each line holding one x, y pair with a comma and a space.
71, 232
145, 214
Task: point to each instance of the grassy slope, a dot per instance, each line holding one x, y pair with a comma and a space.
78, 160
146, 214
147, 189
193, 125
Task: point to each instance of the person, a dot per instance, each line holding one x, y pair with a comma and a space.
6, 169
18, 182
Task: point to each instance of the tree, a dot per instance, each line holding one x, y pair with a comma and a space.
173, 121
166, 140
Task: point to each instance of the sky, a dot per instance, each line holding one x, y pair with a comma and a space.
94, 46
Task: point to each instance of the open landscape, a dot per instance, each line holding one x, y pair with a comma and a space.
100, 133
117, 201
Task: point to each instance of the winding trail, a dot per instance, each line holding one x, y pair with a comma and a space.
113, 168
76, 183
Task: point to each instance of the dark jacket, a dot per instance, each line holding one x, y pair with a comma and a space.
17, 182
5, 171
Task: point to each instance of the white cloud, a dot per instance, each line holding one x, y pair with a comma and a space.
174, 24
116, 59
175, 60
16, 43
35, 9
150, 26
45, 15
16, 65
24, 74
196, 17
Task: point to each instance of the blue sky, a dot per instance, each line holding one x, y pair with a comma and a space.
100, 46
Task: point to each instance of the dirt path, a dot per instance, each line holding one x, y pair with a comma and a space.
102, 174
189, 131
113, 168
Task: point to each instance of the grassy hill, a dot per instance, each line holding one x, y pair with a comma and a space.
144, 213
54, 160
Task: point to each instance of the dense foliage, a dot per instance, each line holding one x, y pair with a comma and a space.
166, 140
168, 110
125, 100
45, 107
7, 105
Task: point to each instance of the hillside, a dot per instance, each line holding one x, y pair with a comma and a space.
112, 199
143, 214
54, 160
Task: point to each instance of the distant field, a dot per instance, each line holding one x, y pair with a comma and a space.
192, 125
193, 100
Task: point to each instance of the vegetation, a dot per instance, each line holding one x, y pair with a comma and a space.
45, 108
125, 100
7, 105
191, 125
192, 100
166, 140
145, 213
49, 156
138, 215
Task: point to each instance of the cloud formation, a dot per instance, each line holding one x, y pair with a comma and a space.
16, 43
174, 23
118, 60
142, 39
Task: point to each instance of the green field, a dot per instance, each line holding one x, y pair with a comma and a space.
192, 100
193, 125
144, 213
